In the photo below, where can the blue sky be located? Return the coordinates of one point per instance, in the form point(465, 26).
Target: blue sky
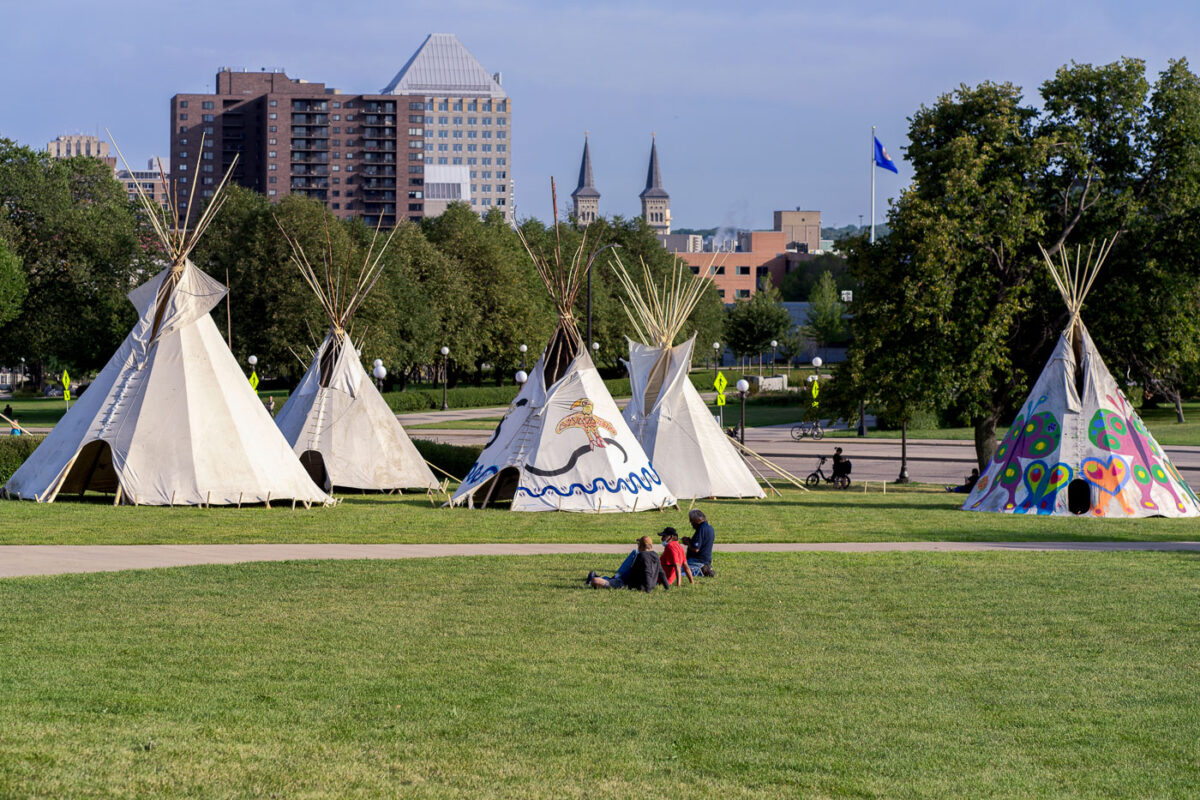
point(757, 106)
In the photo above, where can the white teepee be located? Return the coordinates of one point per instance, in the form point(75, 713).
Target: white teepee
point(1078, 446)
point(668, 416)
point(171, 419)
point(563, 444)
point(336, 421)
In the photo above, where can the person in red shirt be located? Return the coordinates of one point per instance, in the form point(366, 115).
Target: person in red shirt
point(674, 558)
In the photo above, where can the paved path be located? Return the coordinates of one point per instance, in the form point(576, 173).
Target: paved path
point(23, 560)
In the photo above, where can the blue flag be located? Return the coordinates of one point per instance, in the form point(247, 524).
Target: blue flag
point(882, 159)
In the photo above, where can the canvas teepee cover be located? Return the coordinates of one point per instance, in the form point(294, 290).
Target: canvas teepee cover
point(171, 419)
point(668, 416)
point(336, 421)
point(563, 444)
point(1077, 446)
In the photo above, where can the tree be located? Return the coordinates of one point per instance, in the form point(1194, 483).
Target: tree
point(798, 284)
point(12, 284)
point(81, 248)
point(826, 323)
point(750, 325)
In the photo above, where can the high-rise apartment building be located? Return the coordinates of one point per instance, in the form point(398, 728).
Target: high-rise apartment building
point(467, 123)
point(78, 144)
point(364, 155)
point(150, 179)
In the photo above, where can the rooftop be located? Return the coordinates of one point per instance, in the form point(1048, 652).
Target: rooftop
point(443, 64)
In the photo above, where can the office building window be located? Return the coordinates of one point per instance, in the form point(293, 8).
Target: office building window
point(442, 160)
point(743, 271)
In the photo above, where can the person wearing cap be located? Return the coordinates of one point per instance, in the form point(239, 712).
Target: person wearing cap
point(674, 558)
point(645, 572)
point(700, 545)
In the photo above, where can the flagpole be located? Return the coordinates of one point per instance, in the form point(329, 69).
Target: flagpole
point(872, 184)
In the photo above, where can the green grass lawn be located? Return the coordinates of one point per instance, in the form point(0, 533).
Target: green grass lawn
point(481, 424)
point(823, 675)
point(823, 515)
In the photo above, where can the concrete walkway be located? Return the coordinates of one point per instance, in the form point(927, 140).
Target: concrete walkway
point(23, 560)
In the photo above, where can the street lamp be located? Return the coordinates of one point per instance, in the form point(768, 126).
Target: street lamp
point(524, 349)
point(743, 388)
point(445, 375)
point(774, 344)
point(252, 360)
point(595, 347)
point(716, 353)
point(521, 377)
point(380, 372)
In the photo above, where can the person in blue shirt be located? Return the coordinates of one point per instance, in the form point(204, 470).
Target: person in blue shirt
point(700, 545)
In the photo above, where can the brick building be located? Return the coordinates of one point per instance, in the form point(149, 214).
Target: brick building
point(760, 255)
point(363, 155)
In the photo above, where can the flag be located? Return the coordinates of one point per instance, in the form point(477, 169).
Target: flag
point(882, 159)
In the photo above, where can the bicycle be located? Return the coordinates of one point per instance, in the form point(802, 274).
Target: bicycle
point(839, 481)
point(813, 429)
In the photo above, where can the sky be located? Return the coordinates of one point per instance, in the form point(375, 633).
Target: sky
point(757, 106)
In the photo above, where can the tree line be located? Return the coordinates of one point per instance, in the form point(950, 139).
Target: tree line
point(72, 245)
point(956, 311)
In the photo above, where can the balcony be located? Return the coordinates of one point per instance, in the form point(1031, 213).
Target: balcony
point(379, 158)
point(375, 106)
point(317, 194)
point(302, 170)
point(378, 171)
point(376, 119)
point(378, 133)
point(378, 196)
point(310, 105)
point(310, 158)
point(310, 119)
point(379, 183)
point(310, 144)
point(306, 132)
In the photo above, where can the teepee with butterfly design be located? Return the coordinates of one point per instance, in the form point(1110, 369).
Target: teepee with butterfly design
point(1078, 447)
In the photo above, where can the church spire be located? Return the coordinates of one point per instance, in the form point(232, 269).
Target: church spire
point(586, 196)
point(656, 203)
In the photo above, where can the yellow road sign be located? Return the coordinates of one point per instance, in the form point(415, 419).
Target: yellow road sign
point(816, 390)
point(721, 399)
point(720, 383)
point(254, 380)
point(66, 380)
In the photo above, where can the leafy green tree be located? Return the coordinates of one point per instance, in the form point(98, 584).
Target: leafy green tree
point(826, 313)
point(750, 325)
point(12, 284)
point(81, 250)
point(798, 284)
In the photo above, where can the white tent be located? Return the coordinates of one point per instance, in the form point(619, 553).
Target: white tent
point(171, 419)
point(563, 444)
point(336, 421)
point(668, 416)
point(1078, 446)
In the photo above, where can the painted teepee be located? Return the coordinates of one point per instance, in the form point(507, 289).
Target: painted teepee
point(336, 420)
point(563, 444)
point(171, 419)
point(1078, 446)
point(690, 451)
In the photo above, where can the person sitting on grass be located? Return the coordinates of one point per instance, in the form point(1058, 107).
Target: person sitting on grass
point(643, 572)
point(674, 558)
point(700, 545)
point(967, 485)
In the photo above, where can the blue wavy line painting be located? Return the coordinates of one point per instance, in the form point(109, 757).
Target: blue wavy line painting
point(645, 482)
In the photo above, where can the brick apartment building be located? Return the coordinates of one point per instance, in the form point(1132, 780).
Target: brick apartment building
point(373, 156)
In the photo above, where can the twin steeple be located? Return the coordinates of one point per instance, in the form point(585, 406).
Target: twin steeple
point(656, 203)
point(586, 196)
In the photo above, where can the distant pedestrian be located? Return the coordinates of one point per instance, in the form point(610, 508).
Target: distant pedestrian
point(271, 405)
point(8, 412)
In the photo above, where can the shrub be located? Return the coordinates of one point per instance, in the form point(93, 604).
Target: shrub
point(455, 459)
point(921, 420)
point(13, 452)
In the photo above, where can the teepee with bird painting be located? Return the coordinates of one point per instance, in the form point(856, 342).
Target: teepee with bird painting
point(668, 416)
point(1077, 447)
point(171, 419)
point(563, 445)
point(336, 420)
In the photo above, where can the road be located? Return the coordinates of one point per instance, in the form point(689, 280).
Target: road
point(939, 461)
